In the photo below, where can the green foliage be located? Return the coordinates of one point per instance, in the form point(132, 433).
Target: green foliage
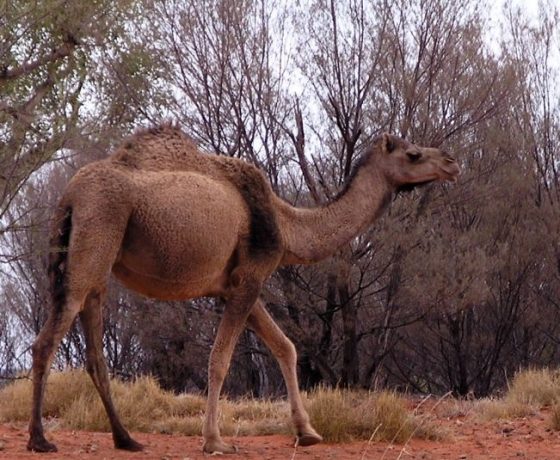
point(54, 54)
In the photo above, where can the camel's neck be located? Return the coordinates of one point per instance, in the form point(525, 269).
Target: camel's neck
point(314, 234)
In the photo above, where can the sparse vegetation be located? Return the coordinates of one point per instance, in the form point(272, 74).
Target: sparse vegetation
point(339, 415)
point(72, 398)
point(502, 409)
point(541, 387)
point(530, 390)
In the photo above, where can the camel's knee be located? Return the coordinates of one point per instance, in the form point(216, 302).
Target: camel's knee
point(95, 364)
point(91, 365)
point(285, 351)
point(36, 348)
point(39, 351)
point(51, 334)
point(291, 352)
point(43, 348)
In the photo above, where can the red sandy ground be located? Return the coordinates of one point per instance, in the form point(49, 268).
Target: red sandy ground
point(467, 438)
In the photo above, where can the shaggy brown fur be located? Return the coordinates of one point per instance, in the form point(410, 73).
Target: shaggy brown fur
point(173, 223)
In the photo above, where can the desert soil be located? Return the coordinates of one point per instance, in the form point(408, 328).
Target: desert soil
point(466, 438)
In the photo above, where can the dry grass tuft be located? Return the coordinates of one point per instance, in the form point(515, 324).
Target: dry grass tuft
point(529, 390)
point(188, 426)
point(259, 417)
point(342, 416)
point(453, 408)
point(338, 415)
point(71, 398)
point(15, 399)
point(503, 409)
point(541, 387)
point(532, 389)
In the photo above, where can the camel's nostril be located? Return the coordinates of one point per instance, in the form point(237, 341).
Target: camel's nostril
point(450, 160)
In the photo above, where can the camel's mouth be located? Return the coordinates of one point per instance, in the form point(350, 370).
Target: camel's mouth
point(438, 171)
point(449, 175)
point(450, 172)
point(410, 187)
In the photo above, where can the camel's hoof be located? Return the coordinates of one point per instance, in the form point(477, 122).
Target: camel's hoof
point(218, 447)
point(128, 444)
point(41, 445)
point(308, 439)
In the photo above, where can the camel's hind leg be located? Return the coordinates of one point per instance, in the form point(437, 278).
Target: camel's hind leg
point(92, 323)
point(284, 351)
point(80, 262)
point(43, 350)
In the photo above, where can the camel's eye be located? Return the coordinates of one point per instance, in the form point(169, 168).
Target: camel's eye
point(413, 156)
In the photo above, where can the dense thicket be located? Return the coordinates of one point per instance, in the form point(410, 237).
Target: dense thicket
point(455, 288)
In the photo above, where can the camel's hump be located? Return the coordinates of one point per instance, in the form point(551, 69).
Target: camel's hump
point(166, 147)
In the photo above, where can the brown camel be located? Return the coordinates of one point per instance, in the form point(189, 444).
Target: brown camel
point(173, 223)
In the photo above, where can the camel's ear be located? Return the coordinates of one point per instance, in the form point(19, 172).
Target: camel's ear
point(388, 144)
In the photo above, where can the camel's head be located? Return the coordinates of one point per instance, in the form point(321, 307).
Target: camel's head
point(408, 165)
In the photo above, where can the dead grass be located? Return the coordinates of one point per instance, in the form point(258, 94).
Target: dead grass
point(529, 391)
point(502, 409)
point(540, 387)
point(338, 415)
point(71, 398)
point(342, 416)
point(455, 408)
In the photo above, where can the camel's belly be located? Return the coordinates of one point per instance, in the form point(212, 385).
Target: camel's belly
point(185, 266)
point(165, 289)
point(181, 244)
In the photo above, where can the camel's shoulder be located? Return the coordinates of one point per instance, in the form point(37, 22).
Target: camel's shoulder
point(254, 187)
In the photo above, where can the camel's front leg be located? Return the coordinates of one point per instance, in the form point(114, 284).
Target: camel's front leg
point(232, 324)
point(285, 353)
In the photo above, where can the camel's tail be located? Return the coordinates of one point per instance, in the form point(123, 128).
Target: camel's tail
point(58, 254)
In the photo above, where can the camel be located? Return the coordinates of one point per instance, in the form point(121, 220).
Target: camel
point(173, 223)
